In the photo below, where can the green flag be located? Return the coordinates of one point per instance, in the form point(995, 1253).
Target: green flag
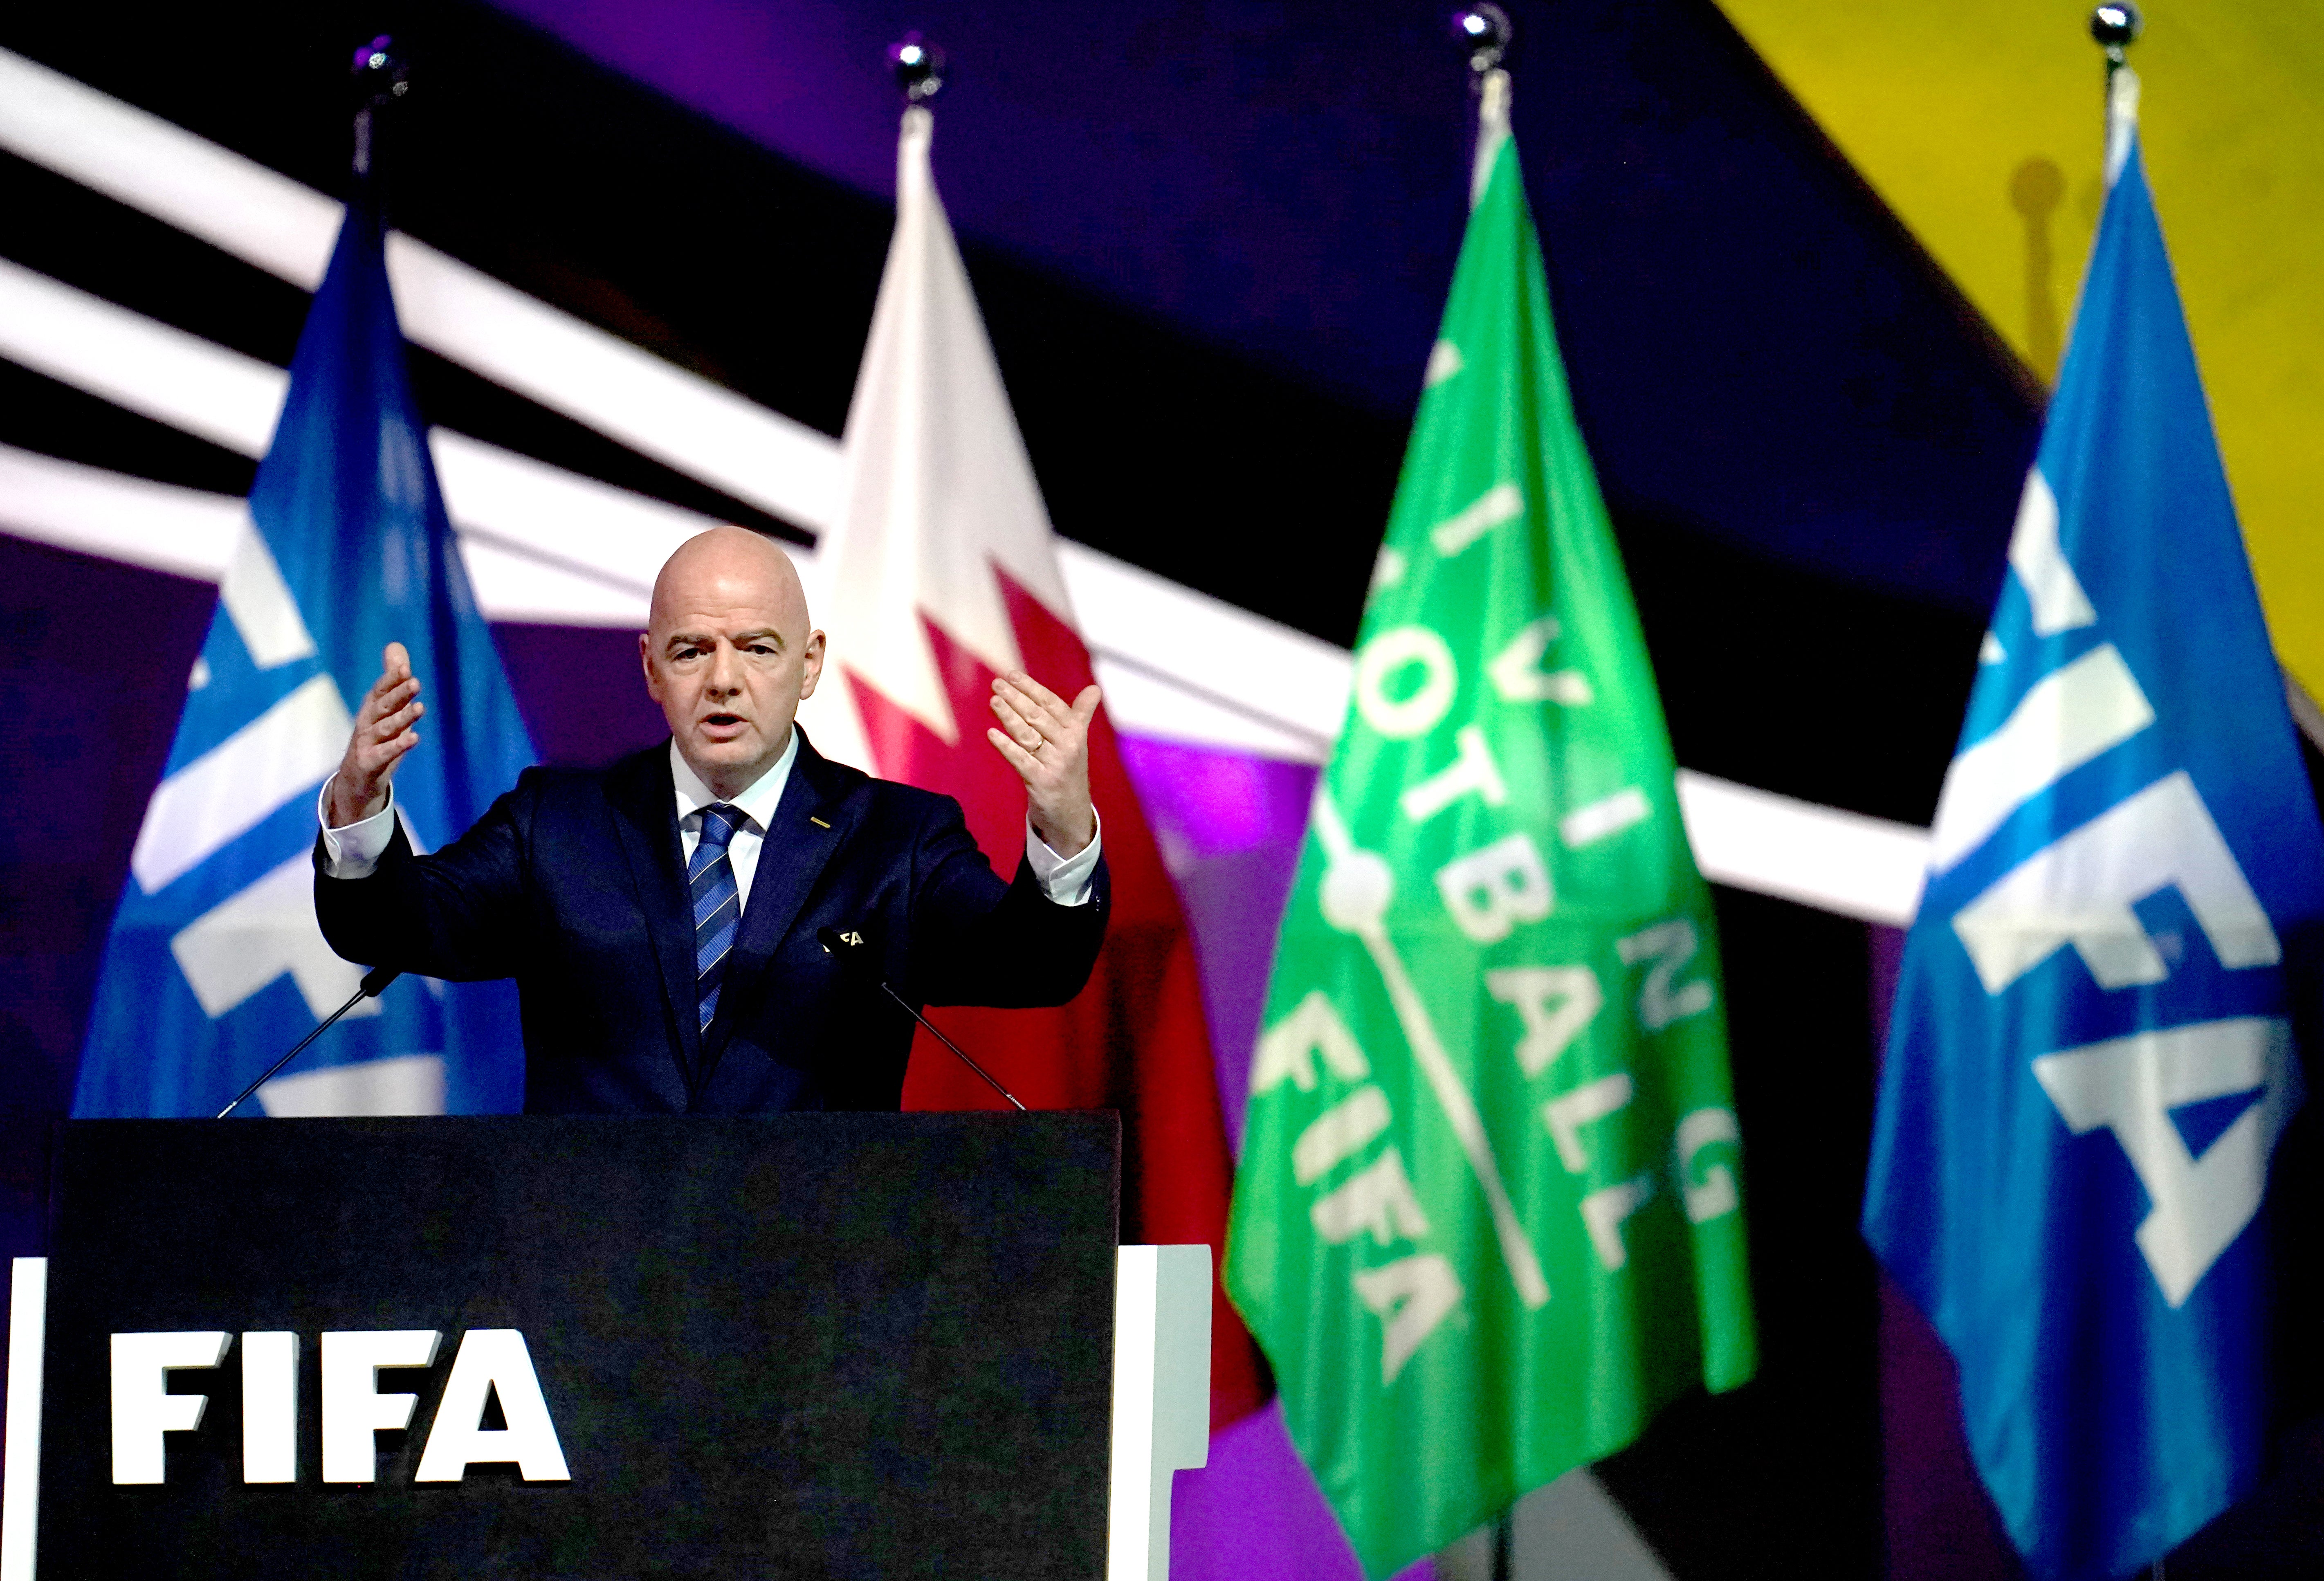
point(1488, 1214)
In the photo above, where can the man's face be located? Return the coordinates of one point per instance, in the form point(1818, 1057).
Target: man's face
point(729, 656)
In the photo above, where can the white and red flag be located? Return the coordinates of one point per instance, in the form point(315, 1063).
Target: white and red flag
point(940, 574)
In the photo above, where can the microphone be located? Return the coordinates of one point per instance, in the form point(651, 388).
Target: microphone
point(854, 954)
point(377, 978)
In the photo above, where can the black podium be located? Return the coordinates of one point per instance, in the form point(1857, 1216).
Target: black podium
point(812, 1345)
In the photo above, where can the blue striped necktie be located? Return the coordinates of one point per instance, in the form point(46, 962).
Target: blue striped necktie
point(718, 902)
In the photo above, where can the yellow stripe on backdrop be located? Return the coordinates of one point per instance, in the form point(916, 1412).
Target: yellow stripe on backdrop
point(1979, 122)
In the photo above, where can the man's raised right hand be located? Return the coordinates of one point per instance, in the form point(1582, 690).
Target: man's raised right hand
point(383, 735)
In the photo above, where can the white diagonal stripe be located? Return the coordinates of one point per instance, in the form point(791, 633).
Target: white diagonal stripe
point(184, 531)
point(287, 229)
point(231, 400)
point(660, 409)
point(232, 203)
point(232, 788)
point(1825, 856)
point(2064, 720)
point(188, 533)
point(133, 361)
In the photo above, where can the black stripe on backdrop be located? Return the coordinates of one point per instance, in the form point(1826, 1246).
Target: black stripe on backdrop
point(77, 235)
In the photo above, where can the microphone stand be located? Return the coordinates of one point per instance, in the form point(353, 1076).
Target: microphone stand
point(853, 955)
point(948, 1043)
point(377, 978)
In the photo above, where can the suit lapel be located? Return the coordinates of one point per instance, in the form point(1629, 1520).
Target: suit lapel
point(812, 821)
point(645, 809)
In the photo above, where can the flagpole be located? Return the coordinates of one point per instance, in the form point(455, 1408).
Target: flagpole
point(382, 77)
point(2116, 26)
point(1484, 30)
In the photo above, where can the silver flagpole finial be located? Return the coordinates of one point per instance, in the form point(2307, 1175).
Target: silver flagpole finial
point(2116, 26)
point(1483, 29)
point(919, 68)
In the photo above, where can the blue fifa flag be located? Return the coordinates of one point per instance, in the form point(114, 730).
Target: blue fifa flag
point(214, 965)
point(2090, 1058)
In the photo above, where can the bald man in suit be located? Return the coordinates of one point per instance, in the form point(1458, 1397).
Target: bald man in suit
point(659, 917)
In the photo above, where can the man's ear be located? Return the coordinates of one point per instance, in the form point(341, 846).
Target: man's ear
point(810, 664)
point(645, 660)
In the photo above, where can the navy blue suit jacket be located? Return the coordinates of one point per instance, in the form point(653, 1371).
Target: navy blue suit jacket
point(574, 884)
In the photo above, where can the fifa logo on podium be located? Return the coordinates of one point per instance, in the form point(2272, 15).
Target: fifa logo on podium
point(490, 1363)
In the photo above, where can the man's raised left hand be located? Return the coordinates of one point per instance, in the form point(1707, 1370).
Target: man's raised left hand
point(1047, 742)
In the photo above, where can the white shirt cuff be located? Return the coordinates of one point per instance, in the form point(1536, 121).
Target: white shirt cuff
point(353, 852)
point(1066, 880)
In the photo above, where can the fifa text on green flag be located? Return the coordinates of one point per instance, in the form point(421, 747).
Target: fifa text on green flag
point(1489, 1217)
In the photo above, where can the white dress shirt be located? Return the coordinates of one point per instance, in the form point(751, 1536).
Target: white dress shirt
point(354, 850)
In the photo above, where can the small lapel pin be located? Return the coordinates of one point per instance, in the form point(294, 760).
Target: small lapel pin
point(816, 821)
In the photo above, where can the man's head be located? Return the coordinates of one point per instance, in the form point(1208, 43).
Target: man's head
point(729, 653)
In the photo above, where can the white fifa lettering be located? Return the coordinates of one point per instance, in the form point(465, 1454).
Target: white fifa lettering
point(270, 1407)
point(354, 1409)
point(2197, 1206)
point(493, 1362)
point(1287, 1048)
point(1413, 1295)
point(1380, 1198)
point(2079, 889)
point(1341, 1132)
point(143, 1408)
point(2051, 589)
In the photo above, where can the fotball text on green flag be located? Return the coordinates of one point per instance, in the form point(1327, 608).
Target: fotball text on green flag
point(1489, 1217)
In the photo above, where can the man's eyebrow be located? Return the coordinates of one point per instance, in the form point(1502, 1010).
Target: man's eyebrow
point(699, 639)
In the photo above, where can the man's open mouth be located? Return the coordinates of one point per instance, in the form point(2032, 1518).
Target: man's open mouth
point(721, 721)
